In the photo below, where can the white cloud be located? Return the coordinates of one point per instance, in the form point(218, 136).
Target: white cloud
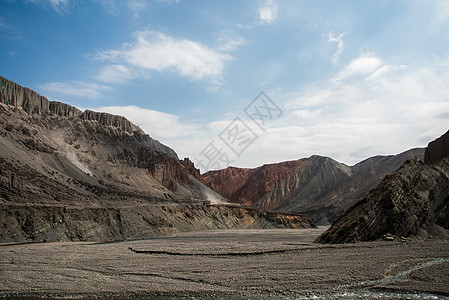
point(387, 110)
point(340, 46)
point(184, 138)
point(157, 51)
point(373, 108)
point(442, 11)
point(115, 74)
point(137, 7)
point(74, 88)
point(228, 41)
point(159, 125)
point(60, 6)
point(168, 1)
point(268, 12)
point(363, 65)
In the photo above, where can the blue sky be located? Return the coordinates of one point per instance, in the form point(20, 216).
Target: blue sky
point(352, 79)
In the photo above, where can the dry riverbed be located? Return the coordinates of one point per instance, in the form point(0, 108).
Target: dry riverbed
point(236, 264)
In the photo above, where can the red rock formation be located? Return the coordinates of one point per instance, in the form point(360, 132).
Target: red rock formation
point(190, 167)
point(227, 181)
point(318, 186)
point(247, 186)
point(168, 171)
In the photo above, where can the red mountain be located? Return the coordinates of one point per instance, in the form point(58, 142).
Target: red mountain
point(318, 186)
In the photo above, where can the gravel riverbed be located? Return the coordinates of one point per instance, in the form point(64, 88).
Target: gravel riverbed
point(227, 264)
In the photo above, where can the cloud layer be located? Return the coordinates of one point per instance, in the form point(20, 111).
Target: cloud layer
point(367, 108)
point(268, 12)
point(156, 51)
point(74, 88)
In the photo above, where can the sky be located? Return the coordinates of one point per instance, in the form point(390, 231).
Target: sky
point(246, 82)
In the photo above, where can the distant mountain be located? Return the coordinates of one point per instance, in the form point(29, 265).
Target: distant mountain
point(72, 175)
point(413, 200)
point(318, 186)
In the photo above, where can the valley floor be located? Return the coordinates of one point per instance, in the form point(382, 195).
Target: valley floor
point(231, 264)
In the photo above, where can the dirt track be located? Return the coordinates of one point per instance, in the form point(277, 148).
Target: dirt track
point(223, 264)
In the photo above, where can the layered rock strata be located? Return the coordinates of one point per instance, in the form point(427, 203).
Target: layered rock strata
point(413, 200)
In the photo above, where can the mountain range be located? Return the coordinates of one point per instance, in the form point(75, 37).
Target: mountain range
point(67, 174)
point(317, 186)
point(72, 175)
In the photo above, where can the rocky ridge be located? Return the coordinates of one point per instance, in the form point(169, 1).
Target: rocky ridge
point(412, 201)
point(318, 186)
point(55, 158)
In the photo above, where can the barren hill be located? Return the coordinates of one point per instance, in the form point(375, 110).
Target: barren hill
point(318, 186)
point(72, 175)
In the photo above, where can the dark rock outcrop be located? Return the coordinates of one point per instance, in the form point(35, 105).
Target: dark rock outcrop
point(318, 186)
point(437, 149)
point(413, 200)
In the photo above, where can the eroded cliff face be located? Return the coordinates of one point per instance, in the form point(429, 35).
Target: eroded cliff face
point(20, 97)
point(318, 186)
point(64, 110)
point(31, 102)
point(106, 119)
